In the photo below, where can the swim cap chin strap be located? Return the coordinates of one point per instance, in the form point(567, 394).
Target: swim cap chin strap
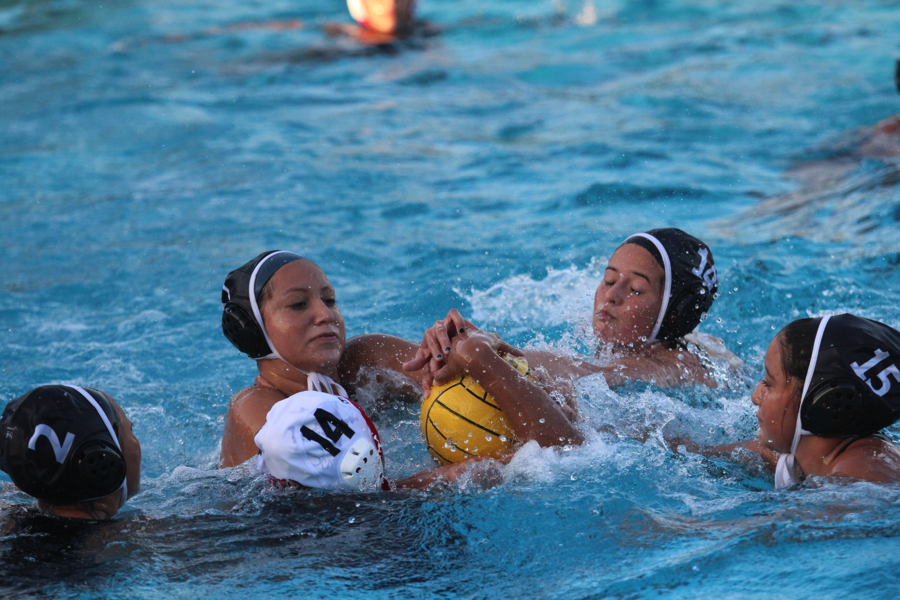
point(315, 381)
point(667, 265)
point(112, 433)
point(786, 468)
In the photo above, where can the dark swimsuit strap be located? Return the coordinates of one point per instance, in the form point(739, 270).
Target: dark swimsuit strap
point(848, 441)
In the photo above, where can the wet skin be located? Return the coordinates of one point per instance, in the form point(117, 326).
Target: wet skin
point(390, 16)
point(776, 399)
point(306, 326)
point(303, 319)
point(627, 301)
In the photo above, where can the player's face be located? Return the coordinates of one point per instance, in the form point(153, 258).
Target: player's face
point(302, 317)
point(390, 16)
point(627, 301)
point(776, 400)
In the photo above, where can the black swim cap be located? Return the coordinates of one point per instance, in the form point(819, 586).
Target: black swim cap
point(852, 384)
point(242, 321)
point(691, 280)
point(60, 444)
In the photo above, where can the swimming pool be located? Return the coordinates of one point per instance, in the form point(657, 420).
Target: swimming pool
point(493, 168)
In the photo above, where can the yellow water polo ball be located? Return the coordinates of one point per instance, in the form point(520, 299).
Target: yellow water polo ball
point(460, 420)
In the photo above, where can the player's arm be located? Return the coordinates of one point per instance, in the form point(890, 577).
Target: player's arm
point(431, 356)
point(560, 367)
point(483, 473)
point(366, 355)
point(724, 450)
point(530, 410)
point(664, 370)
point(245, 417)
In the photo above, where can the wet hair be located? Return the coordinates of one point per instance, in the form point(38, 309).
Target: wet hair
point(264, 295)
point(797, 340)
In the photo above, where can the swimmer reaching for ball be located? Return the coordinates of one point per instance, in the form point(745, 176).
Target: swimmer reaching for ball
point(830, 385)
point(656, 289)
point(280, 310)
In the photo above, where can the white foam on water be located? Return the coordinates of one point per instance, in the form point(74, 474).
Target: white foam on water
point(613, 421)
point(521, 304)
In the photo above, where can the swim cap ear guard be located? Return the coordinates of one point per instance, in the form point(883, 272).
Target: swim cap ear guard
point(241, 317)
point(60, 444)
point(691, 280)
point(853, 383)
point(838, 407)
point(243, 331)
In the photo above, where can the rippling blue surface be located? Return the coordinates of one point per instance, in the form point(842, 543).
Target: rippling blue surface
point(493, 168)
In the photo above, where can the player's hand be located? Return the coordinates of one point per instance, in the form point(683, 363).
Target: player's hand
point(436, 343)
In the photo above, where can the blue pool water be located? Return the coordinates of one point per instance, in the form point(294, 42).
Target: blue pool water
point(491, 168)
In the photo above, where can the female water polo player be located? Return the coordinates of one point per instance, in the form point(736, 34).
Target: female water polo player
point(656, 289)
point(281, 311)
point(291, 326)
point(830, 385)
point(71, 448)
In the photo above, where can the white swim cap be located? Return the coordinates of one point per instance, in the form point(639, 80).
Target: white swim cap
point(321, 441)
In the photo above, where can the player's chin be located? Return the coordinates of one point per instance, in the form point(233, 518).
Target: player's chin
point(623, 339)
point(607, 333)
point(332, 356)
point(325, 359)
point(766, 440)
